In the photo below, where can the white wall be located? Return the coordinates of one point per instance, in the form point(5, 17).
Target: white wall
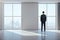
point(58, 16)
point(1, 15)
point(29, 15)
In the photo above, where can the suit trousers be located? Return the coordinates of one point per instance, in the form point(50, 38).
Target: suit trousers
point(43, 25)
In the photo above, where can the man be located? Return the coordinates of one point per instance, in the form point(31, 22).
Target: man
point(43, 21)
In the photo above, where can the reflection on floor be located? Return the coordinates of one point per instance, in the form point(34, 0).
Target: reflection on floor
point(29, 35)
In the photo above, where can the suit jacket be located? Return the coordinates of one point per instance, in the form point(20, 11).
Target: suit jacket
point(43, 18)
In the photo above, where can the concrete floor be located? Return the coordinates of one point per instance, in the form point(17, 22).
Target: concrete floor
point(29, 35)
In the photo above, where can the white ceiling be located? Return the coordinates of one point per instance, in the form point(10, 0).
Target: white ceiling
point(39, 1)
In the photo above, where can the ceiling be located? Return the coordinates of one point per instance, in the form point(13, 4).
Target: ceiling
point(39, 1)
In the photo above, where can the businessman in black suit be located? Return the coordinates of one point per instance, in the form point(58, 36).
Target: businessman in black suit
point(43, 21)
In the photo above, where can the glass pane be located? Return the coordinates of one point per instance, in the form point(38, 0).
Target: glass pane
point(41, 7)
point(17, 22)
point(39, 23)
point(16, 9)
point(51, 10)
point(50, 22)
point(7, 9)
point(7, 23)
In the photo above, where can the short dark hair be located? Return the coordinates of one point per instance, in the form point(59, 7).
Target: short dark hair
point(43, 12)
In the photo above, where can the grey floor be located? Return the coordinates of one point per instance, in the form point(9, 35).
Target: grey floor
point(29, 35)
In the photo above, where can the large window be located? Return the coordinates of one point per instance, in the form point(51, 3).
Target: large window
point(12, 16)
point(51, 15)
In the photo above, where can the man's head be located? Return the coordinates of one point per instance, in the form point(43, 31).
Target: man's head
point(43, 12)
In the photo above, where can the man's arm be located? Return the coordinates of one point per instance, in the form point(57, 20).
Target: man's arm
point(45, 18)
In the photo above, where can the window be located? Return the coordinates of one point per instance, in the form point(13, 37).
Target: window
point(50, 22)
point(7, 22)
point(51, 10)
point(42, 7)
point(51, 15)
point(16, 10)
point(7, 9)
point(16, 22)
point(12, 16)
